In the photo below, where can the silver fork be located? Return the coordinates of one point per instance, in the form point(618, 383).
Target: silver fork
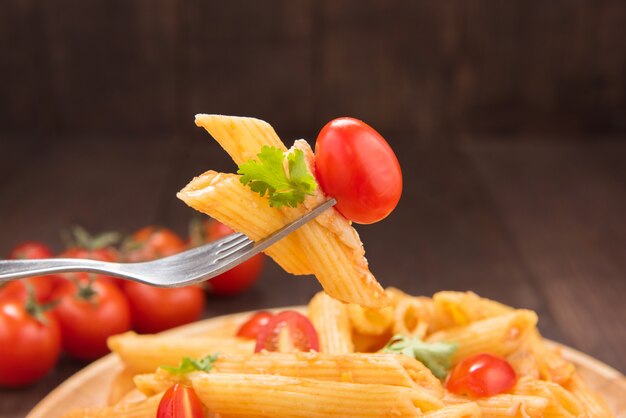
point(189, 267)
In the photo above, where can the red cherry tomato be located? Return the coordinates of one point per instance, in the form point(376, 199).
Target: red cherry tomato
point(481, 375)
point(89, 314)
point(180, 401)
point(239, 278)
point(155, 309)
point(250, 329)
point(286, 331)
point(42, 285)
point(357, 167)
point(101, 254)
point(152, 242)
point(30, 249)
point(29, 347)
point(18, 290)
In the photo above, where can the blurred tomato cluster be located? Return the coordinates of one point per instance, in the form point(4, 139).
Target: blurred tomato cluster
point(77, 312)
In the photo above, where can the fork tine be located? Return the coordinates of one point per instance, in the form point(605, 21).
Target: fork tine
point(231, 243)
point(228, 239)
point(221, 255)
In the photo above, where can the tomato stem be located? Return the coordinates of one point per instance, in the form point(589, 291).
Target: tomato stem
point(34, 308)
point(86, 291)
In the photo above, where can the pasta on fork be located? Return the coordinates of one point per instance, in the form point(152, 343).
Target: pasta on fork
point(328, 246)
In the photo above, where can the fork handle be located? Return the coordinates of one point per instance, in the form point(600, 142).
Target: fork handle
point(19, 269)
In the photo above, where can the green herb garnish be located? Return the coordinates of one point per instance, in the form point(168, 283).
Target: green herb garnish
point(188, 365)
point(268, 176)
point(436, 356)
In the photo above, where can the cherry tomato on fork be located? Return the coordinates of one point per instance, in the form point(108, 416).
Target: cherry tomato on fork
point(180, 401)
point(251, 328)
point(286, 331)
point(481, 375)
point(357, 167)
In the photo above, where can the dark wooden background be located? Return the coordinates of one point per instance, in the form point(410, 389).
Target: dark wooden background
point(433, 70)
point(509, 120)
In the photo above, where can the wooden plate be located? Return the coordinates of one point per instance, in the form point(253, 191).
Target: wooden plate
point(90, 386)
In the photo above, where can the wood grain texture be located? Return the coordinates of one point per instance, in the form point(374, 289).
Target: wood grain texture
point(430, 70)
point(565, 209)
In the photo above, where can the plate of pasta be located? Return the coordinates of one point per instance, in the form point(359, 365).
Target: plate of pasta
point(553, 380)
point(357, 349)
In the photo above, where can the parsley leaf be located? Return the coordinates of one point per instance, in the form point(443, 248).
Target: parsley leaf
point(188, 365)
point(436, 356)
point(267, 176)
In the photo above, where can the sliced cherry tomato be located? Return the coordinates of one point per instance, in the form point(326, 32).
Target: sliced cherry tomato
point(30, 342)
point(287, 331)
point(155, 309)
point(43, 285)
point(356, 166)
point(180, 401)
point(250, 329)
point(481, 375)
point(152, 242)
point(89, 313)
point(241, 277)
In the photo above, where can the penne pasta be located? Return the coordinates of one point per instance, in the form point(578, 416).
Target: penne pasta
point(384, 369)
point(561, 403)
point(414, 316)
point(143, 409)
point(332, 246)
point(145, 353)
point(330, 319)
point(223, 197)
point(505, 406)
point(241, 395)
point(550, 364)
point(465, 410)
point(369, 321)
point(462, 308)
point(593, 405)
point(500, 335)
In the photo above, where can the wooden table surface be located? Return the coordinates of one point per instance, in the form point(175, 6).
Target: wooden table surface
point(534, 224)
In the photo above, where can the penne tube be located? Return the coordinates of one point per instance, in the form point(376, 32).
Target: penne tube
point(500, 335)
point(369, 321)
point(594, 406)
point(241, 395)
point(550, 363)
point(241, 137)
point(504, 406)
point(465, 410)
point(414, 316)
point(224, 198)
point(122, 384)
point(143, 409)
point(145, 353)
point(383, 369)
point(561, 403)
point(330, 319)
point(462, 308)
